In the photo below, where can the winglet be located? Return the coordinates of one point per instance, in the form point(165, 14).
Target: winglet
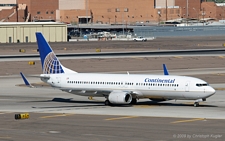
point(25, 80)
point(165, 70)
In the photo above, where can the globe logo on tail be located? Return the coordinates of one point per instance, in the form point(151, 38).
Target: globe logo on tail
point(52, 65)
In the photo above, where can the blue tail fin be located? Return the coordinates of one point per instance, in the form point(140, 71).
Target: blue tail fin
point(50, 63)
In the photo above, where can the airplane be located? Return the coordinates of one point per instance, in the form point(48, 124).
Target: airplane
point(119, 88)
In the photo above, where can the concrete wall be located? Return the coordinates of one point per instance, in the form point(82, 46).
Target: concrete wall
point(194, 7)
point(24, 32)
point(209, 10)
point(71, 4)
point(41, 9)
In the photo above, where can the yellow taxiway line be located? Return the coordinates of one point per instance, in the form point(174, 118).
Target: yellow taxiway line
point(190, 120)
point(221, 57)
point(121, 118)
point(61, 115)
point(220, 89)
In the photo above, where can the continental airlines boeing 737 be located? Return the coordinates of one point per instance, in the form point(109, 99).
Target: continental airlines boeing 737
point(119, 88)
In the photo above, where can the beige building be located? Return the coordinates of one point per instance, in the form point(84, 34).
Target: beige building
point(23, 32)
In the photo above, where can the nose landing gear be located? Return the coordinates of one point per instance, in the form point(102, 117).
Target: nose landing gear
point(196, 104)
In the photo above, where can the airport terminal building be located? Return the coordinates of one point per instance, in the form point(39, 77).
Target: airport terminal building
point(108, 12)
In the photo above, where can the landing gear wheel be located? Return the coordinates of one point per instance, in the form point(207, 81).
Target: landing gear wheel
point(196, 104)
point(107, 103)
point(134, 101)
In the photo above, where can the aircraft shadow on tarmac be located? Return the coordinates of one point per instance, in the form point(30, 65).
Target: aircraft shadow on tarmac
point(153, 103)
point(93, 103)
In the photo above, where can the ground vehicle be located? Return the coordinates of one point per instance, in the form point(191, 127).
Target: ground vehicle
point(140, 38)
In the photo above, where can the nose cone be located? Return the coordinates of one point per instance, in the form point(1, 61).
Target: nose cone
point(210, 91)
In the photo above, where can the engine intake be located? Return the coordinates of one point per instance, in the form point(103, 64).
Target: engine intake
point(120, 98)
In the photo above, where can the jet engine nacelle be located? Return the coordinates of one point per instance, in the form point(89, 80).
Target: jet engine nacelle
point(120, 98)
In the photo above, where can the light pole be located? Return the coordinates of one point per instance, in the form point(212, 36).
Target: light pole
point(187, 10)
point(196, 14)
point(166, 10)
point(203, 14)
point(122, 16)
point(122, 21)
point(86, 11)
point(17, 20)
point(223, 12)
point(159, 17)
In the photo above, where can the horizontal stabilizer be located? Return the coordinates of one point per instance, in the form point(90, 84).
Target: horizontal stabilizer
point(25, 80)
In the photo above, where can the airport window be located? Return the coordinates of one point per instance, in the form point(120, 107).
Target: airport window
point(125, 9)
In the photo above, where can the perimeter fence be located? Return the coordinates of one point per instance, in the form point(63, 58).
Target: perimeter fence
point(170, 31)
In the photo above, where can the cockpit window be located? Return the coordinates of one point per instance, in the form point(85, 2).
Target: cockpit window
point(200, 85)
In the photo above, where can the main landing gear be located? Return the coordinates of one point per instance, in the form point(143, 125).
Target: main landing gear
point(107, 103)
point(134, 101)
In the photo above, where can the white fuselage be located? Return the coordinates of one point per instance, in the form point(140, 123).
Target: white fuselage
point(140, 86)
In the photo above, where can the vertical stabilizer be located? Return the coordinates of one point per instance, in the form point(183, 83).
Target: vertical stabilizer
point(50, 63)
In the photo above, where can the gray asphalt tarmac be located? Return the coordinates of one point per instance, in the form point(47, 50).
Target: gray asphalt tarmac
point(56, 116)
point(58, 127)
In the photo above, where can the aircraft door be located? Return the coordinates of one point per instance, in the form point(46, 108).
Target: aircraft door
point(124, 85)
point(187, 85)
